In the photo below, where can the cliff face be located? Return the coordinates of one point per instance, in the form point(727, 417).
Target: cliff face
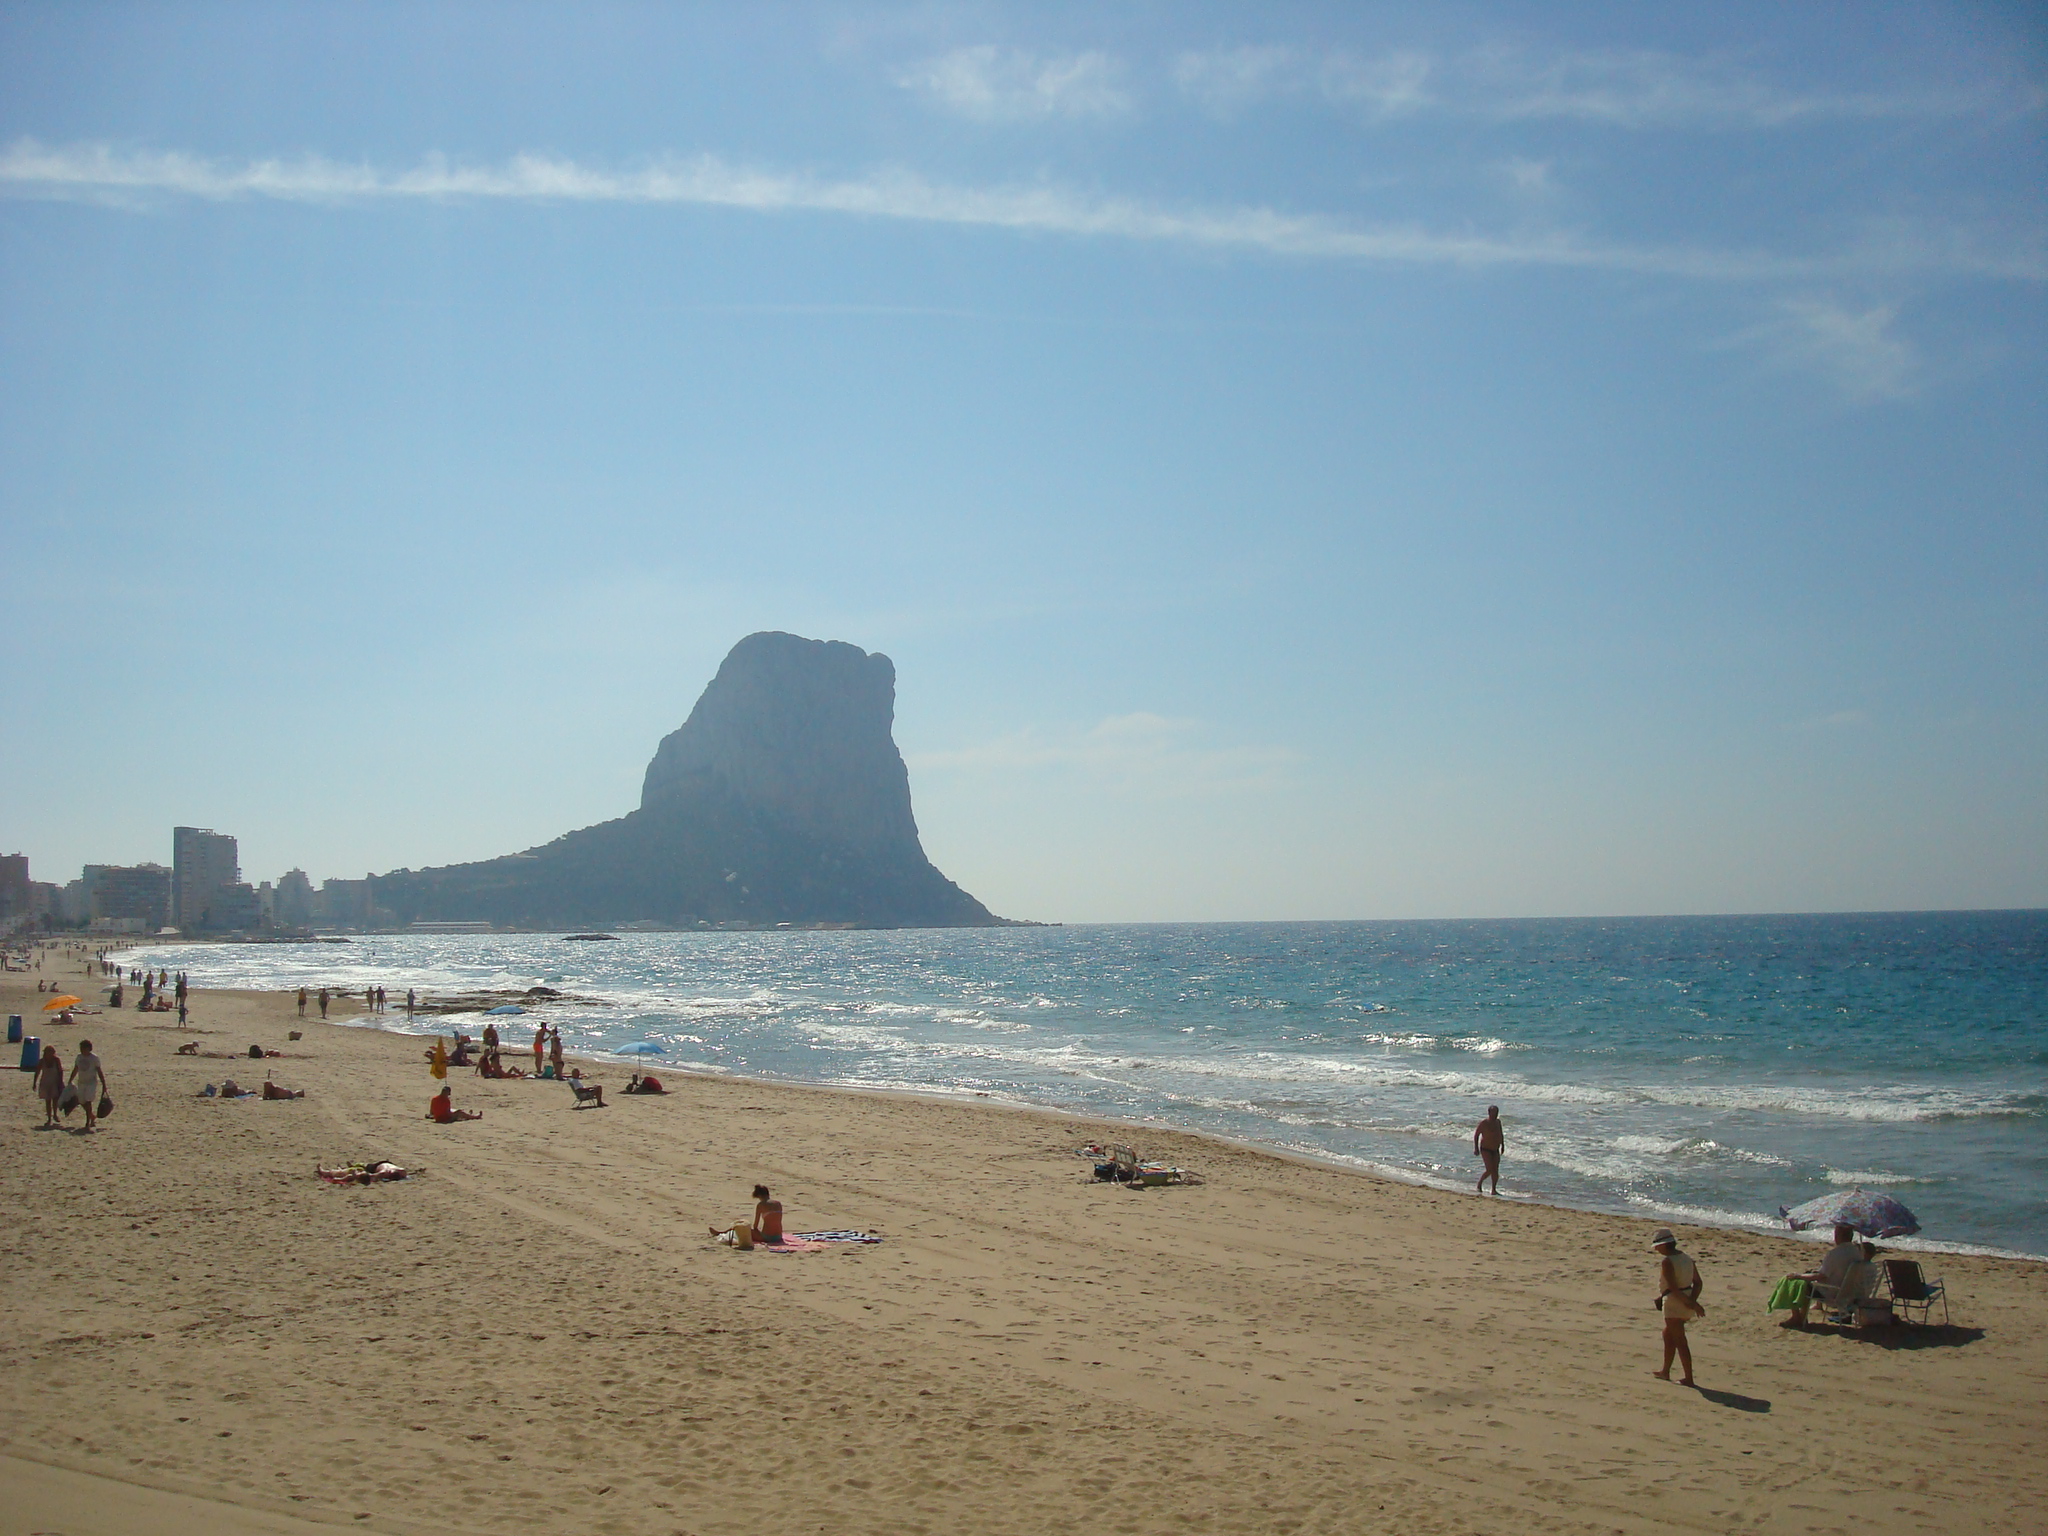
point(799, 731)
point(782, 799)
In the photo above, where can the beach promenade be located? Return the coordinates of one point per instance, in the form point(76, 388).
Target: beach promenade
point(536, 1335)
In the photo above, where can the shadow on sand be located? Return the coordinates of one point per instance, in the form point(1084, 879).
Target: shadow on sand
point(1914, 1336)
point(1735, 1400)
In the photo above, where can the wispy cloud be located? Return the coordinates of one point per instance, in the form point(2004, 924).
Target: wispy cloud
point(1620, 88)
point(1858, 350)
point(1226, 80)
point(98, 171)
point(1141, 748)
point(1001, 85)
point(1389, 85)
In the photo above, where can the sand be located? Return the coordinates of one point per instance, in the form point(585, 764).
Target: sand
point(536, 1334)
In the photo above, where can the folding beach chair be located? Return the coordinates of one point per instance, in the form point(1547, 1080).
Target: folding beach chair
point(1840, 1303)
point(1910, 1288)
point(586, 1096)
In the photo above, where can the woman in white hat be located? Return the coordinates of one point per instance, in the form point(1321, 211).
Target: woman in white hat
point(1678, 1294)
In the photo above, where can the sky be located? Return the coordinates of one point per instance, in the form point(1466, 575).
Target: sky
point(1305, 461)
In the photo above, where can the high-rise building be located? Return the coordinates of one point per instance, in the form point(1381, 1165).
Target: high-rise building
point(205, 866)
point(346, 903)
point(142, 893)
point(17, 894)
point(293, 903)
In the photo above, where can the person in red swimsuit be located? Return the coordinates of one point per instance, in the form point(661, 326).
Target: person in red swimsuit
point(442, 1111)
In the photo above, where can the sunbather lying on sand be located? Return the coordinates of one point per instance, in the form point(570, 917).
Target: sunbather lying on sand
point(364, 1173)
point(272, 1091)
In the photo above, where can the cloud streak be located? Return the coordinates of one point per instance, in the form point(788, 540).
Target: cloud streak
point(1859, 350)
point(1616, 88)
point(994, 85)
point(103, 173)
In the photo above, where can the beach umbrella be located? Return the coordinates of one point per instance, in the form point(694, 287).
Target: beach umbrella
point(641, 1048)
point(66, 1001)
point(1869, 1211)
point(504, 1008)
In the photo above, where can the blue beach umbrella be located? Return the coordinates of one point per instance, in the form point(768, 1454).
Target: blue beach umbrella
point(504, 1008)
point(1869, 1211)
point(641, 1048)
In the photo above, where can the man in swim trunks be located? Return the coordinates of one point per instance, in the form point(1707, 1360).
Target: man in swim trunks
point(1489, 1140)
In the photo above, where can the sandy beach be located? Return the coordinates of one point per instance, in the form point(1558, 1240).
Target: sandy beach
point(536, 1333)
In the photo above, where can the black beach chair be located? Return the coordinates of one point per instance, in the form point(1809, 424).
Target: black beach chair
point(1910, 1288)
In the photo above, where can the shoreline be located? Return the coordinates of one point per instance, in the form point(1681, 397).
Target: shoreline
point(1725, 1144)
point(535, 1334)
point(1337, 1162)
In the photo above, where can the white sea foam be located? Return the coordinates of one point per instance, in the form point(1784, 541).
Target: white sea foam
point(1879, 1180)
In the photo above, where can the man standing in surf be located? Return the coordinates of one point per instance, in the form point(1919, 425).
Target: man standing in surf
point(1488, 1141)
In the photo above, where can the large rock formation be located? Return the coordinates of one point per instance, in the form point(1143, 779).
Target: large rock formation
point(782, 799)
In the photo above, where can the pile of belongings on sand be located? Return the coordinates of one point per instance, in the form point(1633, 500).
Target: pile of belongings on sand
point(1117, 1164)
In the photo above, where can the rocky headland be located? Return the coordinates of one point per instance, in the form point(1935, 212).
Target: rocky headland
point(781, 800)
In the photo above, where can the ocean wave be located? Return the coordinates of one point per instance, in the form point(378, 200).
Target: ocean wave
point(1879, 1180)
point(1483, 1045)
point(1707, 1215)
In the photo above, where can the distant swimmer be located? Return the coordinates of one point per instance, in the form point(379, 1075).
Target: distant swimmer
point(1489, 1140)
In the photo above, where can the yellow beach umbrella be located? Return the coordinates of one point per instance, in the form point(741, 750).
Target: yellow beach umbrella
point(66, 1001)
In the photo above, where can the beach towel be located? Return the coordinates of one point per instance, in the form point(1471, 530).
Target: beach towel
point(837, 1235)
point(1792, 1294)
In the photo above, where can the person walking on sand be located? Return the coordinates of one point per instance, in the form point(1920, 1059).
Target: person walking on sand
point(1489, 1140)
point(50, 1083)
point(302, 1002)
point(412, 998)
point(90, 1079)
point(1678, 1294)
point(323, 1002)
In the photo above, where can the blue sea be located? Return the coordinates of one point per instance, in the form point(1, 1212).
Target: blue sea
point(1709, 1069)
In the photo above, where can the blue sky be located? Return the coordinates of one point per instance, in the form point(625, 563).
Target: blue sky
point(1305, 461)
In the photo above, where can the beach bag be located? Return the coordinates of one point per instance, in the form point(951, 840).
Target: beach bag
point(106, 1106)
point(256, 1052)
point(67, 1101)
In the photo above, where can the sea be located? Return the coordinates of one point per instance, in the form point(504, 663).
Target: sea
point(1704, 1069)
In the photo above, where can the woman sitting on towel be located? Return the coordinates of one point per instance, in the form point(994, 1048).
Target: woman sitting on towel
point(767, 1227)
point(648, 1084)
